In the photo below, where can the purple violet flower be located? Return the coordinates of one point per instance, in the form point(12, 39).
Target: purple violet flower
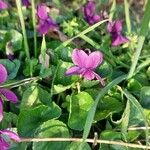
point(46, 23)
point(42, 11)
point(89, 13)
point(115, 28)
point(85, 65)
point(26, 3)
point(3, 5)
point(4, 145)
point(5, 93)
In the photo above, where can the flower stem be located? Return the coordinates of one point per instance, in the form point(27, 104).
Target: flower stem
point(18, 83)
point(127, 16)
point(19, 8)
point(112, 10)
point(34, 26)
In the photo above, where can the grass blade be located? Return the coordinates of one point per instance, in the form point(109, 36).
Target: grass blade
point(112, 10)
point(81, 33)
point(26, 47)
point(135, 102)
point(143, 32)
point(92, 111)
point(34, 26)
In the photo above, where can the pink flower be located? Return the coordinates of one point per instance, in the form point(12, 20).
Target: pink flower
point(85, 65)
point(46, 23)
point(4, 145)
point(3, 5)
point(5, 93)
point(26, 3)
point(115, 28)
point(90, 13)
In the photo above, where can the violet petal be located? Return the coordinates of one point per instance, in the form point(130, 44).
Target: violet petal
point(3, 5)
point(72, 71)
point(94, 59)
point(96, 18)
point(100, 79)
point(88, 74)
point(26, 3)
point(3, 74)
point(1, 109)
point(89, 8)
point(115, 26)
point(42, 11)
point(79, 57)
point(118, 39)
point(46, 25)
point(10, 134)
point(9, 95)
point(3, 144)
point(90, 13)
point(43, 27)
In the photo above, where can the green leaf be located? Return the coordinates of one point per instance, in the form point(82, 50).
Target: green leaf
point(114, 136)
point(8, 118)
point(60, 88)
point(65, 53)
point(88, 83)
point(43, 46)
point(31, 118)
point(125, 121)
point(51, 128)
point(45, 72)
point(135, 102)
point(106, 107)
point(79, 107)
point(12, 67)
point(34, 96)
point(135, 116)
point(30, 66)
point(60, 75)
point(134, 86)
point(133, 135)
point(18, 146)
point(91, 113)
point(105, 69)
point(75, 146)
point(145, 97)
point(15, 38)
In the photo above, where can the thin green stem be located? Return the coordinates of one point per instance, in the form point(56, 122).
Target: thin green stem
point(143, 65)
point(19, 83)
point(136, 56)
point(34, 26)
point(112, 10)
point(127, 16)
point(91, 28)
point(19, 8)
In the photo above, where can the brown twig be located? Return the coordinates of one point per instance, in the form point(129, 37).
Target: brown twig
point(87, 140)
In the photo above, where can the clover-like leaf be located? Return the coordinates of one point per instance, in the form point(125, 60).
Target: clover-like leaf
point(80, 104)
